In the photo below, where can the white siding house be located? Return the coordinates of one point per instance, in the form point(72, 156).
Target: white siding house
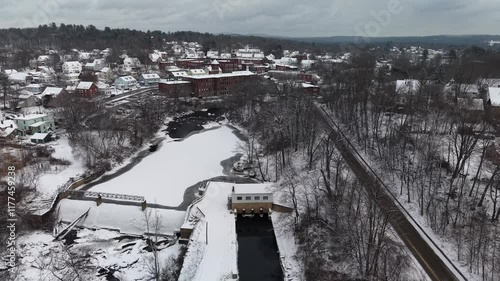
point(72, 67)
point(125, 82)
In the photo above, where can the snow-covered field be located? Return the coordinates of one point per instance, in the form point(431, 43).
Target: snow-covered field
point(58, 176)
point(164, 176)
point(127, 219)
point(219, 256)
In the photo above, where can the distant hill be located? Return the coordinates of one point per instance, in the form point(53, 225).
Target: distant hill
point(450, 40)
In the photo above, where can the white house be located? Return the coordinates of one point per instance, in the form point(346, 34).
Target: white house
point(34, 89)
point(149, 79)
point(96, 65)
point(72, 67)
point(106, 74)
point(125, 82)
point(34, 123)
point(103, 88)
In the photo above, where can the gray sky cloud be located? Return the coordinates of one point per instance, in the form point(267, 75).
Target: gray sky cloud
point(275, 17)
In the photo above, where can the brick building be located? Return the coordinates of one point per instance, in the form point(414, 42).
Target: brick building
point(175, 88)
point(86, 89)
point(217, 84)
point(205, 85)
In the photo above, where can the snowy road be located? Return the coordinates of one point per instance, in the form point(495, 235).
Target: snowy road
point(437, 268)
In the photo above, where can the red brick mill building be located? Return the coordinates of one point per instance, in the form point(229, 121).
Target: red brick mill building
point(205, 85)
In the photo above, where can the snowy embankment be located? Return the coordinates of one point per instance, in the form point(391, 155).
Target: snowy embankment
point(441, 245)
point(216, 258)
point(293, 269)
point(125, 219)
point(128, 257)
point(59, 175)
point(164, 176)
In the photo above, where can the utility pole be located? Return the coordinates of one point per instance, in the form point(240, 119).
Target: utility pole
point(207, 233)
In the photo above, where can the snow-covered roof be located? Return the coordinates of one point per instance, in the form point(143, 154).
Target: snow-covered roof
point(18, 76)
point(407, 86)
point(197, 71)
point(84, 85)
point(127, 78)
point(38, 124)
point(72, 64)
point(174, 82)
point(214, 62)
point(307, 85)
point(179, 73)
point(52, 91)
point(31, 116)
point(105, 69)
point(258, 188)
point(39, 136)
point(222, 75)
point(494, 93)
point(150, 76)
point(33, 86)
point(7, 127)
point(10, 71)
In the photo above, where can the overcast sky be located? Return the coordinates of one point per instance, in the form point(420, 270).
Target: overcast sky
point(272, 17)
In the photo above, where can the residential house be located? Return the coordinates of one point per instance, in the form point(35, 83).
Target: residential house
point(34, 89)
point(41, 138)
point(125, 82)
point(407, 90)
point(470, 91)
point(494, 103)
point(471, 109)
point(96, 65)
point(86, 90)
point(310, 88)
point(52, 91)
point(20, 78)
point(103, 88)
point(150, 79)
point(70, 67)
point(7, 130)
point(130, 65)
point(105, 75)
point(34, 123)
point(50, 94)
point(212, 54)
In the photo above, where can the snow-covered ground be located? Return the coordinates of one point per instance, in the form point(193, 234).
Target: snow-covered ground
point(292, 265)
point(58, 176)
point(164, 176)
point(219, 256)
point(125, 219)
point(128, 256)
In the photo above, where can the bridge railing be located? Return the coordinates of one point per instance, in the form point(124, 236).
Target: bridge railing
point(93, 194)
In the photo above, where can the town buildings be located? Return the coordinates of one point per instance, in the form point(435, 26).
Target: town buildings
point(86, 90)
point(34, 123)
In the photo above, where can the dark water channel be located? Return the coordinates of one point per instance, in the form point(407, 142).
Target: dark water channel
point(258, 258)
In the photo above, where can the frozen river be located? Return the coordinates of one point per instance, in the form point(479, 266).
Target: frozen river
point(164, 176)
